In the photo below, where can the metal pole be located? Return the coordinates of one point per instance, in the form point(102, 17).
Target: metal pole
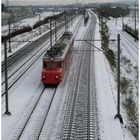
point(99, 23)
point(85, 17)
point(122, 16)
point(55, 31)
point(50, 32)
point(65, 23)
point(9, 22)
point(6, 80)
point(53, 18)
point(71, 20)
point(118, 115)
point(118, 37)
point(116, 21)
point(39, 25)
point(135, 21)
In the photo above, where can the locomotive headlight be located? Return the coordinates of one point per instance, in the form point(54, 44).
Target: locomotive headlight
point(56, 77)
point(44, 76)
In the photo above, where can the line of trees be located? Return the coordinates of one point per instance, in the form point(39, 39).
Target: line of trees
point(28, 28)
point(107, 11)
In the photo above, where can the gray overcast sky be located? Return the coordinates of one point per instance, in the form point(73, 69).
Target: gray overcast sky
point(42, 2)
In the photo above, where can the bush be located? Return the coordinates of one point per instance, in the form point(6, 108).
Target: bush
point(39, 23)
point(125, 60)
point(17, 32)
point(132, 115)
point(105, 44)
point(107, 11)
point(111, 57)
point(28, 29)
point(126, 85)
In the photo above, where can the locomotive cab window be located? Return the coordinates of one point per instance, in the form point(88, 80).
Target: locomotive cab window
point(44, 64)
point(49, 65)
point(53, 65)
point(60, 65)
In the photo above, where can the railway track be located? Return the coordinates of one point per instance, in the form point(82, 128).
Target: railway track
point(35, 118)
point(69, 117)
point(80, 121)
point(133, 52)
point(52, 121)
point(125, 38)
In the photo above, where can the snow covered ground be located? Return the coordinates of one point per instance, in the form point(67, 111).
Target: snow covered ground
point(129, 69)
point(110, 127)
point(127, 21)
point(28, 89)
point(26, 22)
point(128, 44)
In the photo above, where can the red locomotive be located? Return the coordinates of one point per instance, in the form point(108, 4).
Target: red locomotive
point(56, 60)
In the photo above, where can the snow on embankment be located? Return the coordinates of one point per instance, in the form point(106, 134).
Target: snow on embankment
point(110, 128)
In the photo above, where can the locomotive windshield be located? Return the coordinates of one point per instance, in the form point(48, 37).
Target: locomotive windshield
point(52, 65)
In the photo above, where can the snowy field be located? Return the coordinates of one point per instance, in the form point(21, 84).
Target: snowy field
point(25, 94)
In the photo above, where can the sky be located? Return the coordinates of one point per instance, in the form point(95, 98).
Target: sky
point(47, 2)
